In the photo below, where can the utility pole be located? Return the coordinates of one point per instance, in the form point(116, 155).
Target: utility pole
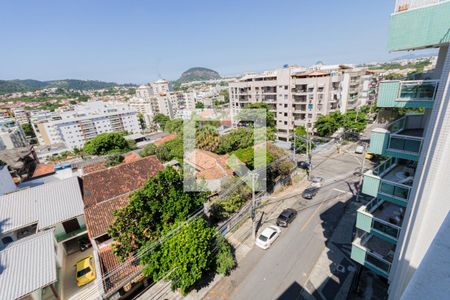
point(362, 172)
point(253, 212)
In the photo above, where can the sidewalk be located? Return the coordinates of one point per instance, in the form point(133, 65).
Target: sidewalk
point(332, 276)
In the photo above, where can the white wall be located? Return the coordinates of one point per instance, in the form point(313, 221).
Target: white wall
point(6, 182)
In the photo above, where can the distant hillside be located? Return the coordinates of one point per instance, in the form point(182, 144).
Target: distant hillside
point(28, 85)
point(197, 74)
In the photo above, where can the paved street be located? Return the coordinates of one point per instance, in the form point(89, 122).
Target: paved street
point(283, 270)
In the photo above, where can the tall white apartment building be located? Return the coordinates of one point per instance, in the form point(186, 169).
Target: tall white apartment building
point(402, 232)
point(298, 96)
point(153, 99)
point(87, 121)
point(12, 137)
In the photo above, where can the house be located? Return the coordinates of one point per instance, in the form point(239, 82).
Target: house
point(28, 268)
point(210, 167)
point(39, 227)
point(104, 192)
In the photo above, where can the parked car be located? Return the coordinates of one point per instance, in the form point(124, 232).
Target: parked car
point(359, 149)
point(303, 165)
point(85, 271)
point(369, 155)
point(310, 192)
point(287, 216)
point(268, 236)
point(316, 181)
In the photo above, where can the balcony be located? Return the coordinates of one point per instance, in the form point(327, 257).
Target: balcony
point(418, 24)
point(391, 181)
point(62, 236)
point(407, 94)
point(373, 253)
point(402, 138)
point(381, 218)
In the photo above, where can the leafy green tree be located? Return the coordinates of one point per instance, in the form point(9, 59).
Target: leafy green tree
point(246, 156)
point(141, 120)
point(160, 203)
point(161, 120)
point(236, 139)
point(224, 208)
point(207, 138)
point(300, 136)
point(328, 124)
point(354, 121)
point(107, 143)
point(114, 160)
point(172, 149)
point(149, 149)
point(174, 126)
point(28, 130)
point(199, 105)
point(226, 95)
point(185, 256)
point(225, 260)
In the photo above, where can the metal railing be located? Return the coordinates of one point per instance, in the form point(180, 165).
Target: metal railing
point(372, 257)
point(385, 166)
point(378, 224)
point(404, 5)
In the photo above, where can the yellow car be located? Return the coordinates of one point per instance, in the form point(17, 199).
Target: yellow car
point(85, 271)
point(369, 155)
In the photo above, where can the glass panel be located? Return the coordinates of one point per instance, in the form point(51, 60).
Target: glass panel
point(381, 264)
point(404, 144)
point(418, 91)
point(389, 230)
point(401, 192)
point(412, 145)
point(386, 188)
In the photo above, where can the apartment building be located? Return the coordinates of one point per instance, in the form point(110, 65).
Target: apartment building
point(11, 138)
point(298, 96)
point(85, 122)
point(21, 115)
point(397, 228)
point(153, 99)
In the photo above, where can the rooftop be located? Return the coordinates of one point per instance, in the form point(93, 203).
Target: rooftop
point(209, 165)
point(118, 180)
point(46, 205)
point(165, 139)
point(27, 265)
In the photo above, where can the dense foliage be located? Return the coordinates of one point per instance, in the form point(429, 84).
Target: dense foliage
point(149, 149)
point(236, 139)
point(207, 138)
point(107, 143)
point(114, 160)
point(161, 120)
point(28, 130)
point(351, 121)
point(199, 105)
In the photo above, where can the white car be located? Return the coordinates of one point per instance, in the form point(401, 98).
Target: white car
point(359, 149)
point(268, 236)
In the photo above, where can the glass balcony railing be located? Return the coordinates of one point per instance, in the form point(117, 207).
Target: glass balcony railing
point(373, 253)
point(390, 181)
point(381, 218)
point(407, 93)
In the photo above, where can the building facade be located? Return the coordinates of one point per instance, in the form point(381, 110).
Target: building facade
point(397, 227)
point(298, 96)
point(85, 122)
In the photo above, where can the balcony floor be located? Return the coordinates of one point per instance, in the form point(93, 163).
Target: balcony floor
point(381, 247)
point(389, 212)
point(399, 174)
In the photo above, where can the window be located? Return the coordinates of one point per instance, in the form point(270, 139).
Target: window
point(285, 105)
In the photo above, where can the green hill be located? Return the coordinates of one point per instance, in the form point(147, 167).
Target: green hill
point(197, 74)
point(28, 85)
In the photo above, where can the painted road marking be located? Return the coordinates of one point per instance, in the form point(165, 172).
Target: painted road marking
point(342, 191)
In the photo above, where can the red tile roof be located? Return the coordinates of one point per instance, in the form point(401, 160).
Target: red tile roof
point(94, 167)
point(208, 164)
point(165, 139)
point(99, 217)
point(118, 180)
point(43, 169)
point(130, 157)
point(116, 272)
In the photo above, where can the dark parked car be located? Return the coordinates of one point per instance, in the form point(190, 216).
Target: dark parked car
point(303, 165)
point(286, 217)
point(310, 192)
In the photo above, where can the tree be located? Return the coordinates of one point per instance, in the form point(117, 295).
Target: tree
point(236, 139)
point(300, 136)
point(186, 255)
point(207, 138)
point(107, 143)
point(28, 130)
point(328, 124)
point(114, 160)
point(161, 120)
point(160, 203)
point(199, 105)
point(224, 208)
point(141, 120)
point(172, 149)
point(354, 121)
point(149, 149)
point(226, 95)
point(174, 126)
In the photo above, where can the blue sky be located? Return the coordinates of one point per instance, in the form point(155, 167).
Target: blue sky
point(140, 41)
